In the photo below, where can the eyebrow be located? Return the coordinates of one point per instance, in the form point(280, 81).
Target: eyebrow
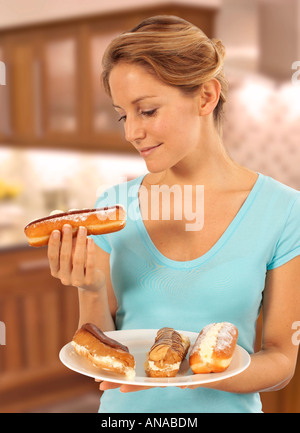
point(137, 100)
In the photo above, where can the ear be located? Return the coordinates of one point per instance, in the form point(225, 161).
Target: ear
point(209, 94)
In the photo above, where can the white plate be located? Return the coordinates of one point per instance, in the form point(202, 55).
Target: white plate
point(139, 342)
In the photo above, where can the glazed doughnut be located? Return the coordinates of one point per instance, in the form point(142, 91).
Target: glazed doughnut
point(214, 348)
point(166, 354)
point(96, 221)
point(103, 352)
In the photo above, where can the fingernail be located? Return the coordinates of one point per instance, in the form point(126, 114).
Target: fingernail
point(56, 235)
point(81, 231)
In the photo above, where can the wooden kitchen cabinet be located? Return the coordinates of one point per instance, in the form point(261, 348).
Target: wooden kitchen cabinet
point(40, 317)
point(23, 52)
point(60, 83)
point(55, 98)
point(55, 86)
point(45, 87)
point(103, 115)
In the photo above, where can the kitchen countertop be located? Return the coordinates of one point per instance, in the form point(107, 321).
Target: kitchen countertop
point(13, 245)
point(12, 237)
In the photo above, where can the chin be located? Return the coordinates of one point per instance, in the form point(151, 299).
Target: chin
point(157, 164)
point(156, 167)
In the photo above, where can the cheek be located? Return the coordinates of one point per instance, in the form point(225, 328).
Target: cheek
point(182, 132)
point(172, 127)
point(161, 127)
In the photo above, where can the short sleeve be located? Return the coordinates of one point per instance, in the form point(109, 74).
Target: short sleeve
point(102, 240)
point(288, 245)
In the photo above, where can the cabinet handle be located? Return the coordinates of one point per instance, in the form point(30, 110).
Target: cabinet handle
point(33, 265)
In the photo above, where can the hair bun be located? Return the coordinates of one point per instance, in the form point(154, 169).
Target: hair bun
point(219, 47)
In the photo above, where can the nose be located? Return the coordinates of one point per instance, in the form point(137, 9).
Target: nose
point(134, 131)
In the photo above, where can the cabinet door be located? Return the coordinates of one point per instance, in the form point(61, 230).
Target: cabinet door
point(104, 116)
point(40, 317)
point(105, 128)
point(24, 91)
point(61, 84)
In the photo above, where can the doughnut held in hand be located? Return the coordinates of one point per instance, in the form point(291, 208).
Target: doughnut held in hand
point(97, 222)
point(214, 348)
point(103, 352)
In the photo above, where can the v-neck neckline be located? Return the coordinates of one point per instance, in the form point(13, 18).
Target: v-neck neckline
point(217, 245)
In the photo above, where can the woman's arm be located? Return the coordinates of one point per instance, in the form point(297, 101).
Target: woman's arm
point(79, 262)
point(99, 306)
point(273, 366)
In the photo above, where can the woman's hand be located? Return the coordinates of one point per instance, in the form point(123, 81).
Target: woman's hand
point(73, 260)
point(104, 386)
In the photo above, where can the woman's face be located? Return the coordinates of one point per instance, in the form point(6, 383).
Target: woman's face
point(160, 121)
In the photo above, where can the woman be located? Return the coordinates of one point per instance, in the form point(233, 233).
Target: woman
point(165, 78)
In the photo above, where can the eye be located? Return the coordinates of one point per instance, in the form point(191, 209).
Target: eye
point(122, 118)
point(149, 113)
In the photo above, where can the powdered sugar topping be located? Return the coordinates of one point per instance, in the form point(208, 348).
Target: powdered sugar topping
point(215, 335)
point(225, 336)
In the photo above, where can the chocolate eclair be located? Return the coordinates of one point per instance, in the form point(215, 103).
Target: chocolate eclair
point(104, 352)
point(168, 351)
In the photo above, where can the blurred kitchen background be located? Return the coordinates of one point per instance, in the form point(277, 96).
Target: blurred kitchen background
point(61, 146)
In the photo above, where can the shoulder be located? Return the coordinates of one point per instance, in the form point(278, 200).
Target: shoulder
point(277, 205)
point(279, 193)
point(282, 204)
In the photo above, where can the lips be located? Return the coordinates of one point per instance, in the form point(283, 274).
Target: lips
point(147, 150)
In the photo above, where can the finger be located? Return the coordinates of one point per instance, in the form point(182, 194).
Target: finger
point(104, 386)
point(79, 257)
point(66, 255)
point(134, 388)
point(53, 252)
point(90, 261)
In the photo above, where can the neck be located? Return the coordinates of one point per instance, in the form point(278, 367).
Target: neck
point(209, 165)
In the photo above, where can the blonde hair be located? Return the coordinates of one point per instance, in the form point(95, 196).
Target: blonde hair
point(176, 51)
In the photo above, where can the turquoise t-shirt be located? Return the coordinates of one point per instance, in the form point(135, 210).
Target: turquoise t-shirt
point(224, 284)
